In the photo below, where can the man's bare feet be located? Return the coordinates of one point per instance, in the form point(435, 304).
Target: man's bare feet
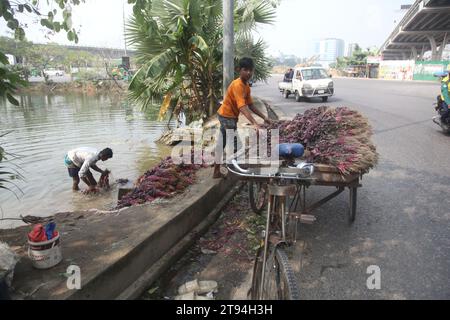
point(217, 174)
point(91, 191)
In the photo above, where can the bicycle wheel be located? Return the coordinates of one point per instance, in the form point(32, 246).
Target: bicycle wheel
point(279, 279)
point(257, 195)
point(291, 227)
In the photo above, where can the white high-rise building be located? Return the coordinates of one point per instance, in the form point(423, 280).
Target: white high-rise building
point(351, 48)
point(329, 50)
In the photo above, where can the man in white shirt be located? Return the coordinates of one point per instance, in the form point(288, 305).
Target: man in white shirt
point(79, 161)
point(181, 120)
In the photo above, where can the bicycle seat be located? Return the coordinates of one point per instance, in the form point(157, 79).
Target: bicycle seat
point(291, 150)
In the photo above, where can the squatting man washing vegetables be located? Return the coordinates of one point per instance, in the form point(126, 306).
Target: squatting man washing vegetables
point(79, 161)
point(237, 100)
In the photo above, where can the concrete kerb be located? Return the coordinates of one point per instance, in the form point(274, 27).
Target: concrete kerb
point(279, 115)
point(271, 113)
point(129, 276)
point(177, 251)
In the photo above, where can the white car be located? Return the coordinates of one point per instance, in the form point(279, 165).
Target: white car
point(54, 72)
point(310, 82)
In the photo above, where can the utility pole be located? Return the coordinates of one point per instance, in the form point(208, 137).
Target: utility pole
point(123, 17)
point(228, 43)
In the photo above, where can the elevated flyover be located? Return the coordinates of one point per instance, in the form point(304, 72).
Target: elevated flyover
point(425, 27)
point(111, 53)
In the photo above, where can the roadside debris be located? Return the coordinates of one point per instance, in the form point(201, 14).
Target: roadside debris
point(206, 251)
point(198, 287)
point(152, 290)
point(197, 290)
point(8, 261)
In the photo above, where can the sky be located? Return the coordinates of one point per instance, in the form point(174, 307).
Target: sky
point(298, 25)
point(100, 24)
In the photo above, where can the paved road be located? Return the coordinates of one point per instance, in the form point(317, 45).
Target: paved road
point(403, 219)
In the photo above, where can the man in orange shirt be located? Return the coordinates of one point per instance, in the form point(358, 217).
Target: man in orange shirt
point(237, 100)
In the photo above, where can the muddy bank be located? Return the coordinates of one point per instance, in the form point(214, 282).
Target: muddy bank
point(88, 87)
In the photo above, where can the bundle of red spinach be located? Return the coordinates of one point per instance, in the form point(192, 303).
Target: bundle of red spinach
point(163, 181)
point(340, 137)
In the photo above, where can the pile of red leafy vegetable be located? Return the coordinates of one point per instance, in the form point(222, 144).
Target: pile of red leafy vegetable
point(340, 137)
point(163, 181)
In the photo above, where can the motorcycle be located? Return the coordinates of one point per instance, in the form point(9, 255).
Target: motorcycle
point(443, 122)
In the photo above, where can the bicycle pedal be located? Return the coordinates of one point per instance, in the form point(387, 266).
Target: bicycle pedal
point(307, 218)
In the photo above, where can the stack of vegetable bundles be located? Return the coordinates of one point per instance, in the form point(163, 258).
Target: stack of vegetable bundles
point(163, 181)
point(340, 137)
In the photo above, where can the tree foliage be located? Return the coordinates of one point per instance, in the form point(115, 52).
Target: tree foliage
point(56, 20)
point(11, 11)
point(179, 48)
point(358, 58)
point(33, 59)
point(9, 80)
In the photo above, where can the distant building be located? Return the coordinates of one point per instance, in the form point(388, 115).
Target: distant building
point(351, 48)
point(11, 59)
point(329, 50)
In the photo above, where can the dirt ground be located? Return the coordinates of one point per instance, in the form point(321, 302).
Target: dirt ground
point(224, 254)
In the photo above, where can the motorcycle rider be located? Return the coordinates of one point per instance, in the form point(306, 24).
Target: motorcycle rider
point(444, 98)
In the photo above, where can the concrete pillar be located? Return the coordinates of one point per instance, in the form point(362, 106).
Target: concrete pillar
point(228, 44)
point(404, 56)
point(442, 47)
point(422, 53)
point(433, 47)
point(414, 53)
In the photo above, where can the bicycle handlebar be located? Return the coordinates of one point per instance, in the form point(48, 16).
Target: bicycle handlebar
point(236, 165)
point(305, 172)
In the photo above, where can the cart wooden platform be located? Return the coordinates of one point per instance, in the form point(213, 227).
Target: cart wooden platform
point(324, 175)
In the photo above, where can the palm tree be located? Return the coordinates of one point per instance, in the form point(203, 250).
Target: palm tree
point(179, 48)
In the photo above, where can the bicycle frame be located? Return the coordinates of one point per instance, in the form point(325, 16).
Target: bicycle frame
point(301, 172)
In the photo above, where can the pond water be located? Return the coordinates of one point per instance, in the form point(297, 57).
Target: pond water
point(45, 127)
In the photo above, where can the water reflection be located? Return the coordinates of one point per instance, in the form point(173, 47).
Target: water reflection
point(45, 127)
